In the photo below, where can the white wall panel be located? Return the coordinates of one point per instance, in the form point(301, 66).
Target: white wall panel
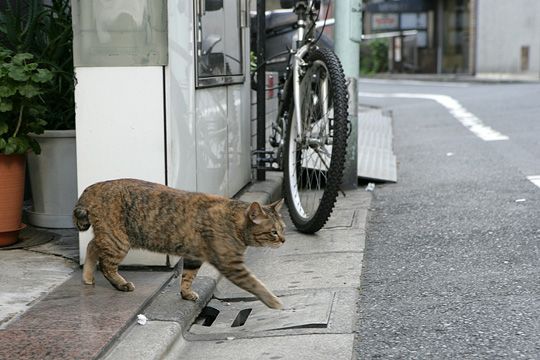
point(120, 132)
point(180, 95)
point(211, 115)
point(239, 152)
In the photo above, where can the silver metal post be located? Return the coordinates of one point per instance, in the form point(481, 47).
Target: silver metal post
point(348, 14)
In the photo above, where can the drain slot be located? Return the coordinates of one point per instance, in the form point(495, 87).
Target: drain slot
point(304, 311)
point(241, 318)
point(207, 316)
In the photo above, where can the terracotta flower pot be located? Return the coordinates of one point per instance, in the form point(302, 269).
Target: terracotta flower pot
point(11, 197)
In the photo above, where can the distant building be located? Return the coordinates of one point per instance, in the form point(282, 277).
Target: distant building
point(484, 37)
point(508, 38)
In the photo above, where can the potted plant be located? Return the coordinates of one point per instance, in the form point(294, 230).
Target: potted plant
point(22, 82)
point(45, 30)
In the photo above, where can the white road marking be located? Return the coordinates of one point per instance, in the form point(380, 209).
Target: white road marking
point(415, 82)
point(535, 179)
point(465, 117)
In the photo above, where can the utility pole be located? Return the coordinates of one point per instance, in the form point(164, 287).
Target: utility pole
point(347, 35)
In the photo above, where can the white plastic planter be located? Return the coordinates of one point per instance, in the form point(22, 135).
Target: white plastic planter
point(53, 178)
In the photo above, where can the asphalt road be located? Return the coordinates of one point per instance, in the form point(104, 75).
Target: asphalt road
point(452, 260)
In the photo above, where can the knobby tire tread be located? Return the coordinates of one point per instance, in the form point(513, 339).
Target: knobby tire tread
point(340, 98)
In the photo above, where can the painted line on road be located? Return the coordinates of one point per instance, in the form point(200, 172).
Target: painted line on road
point(465, 117)
point(415, 82)
point(535, 179)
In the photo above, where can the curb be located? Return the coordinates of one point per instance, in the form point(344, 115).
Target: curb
point(165, 328)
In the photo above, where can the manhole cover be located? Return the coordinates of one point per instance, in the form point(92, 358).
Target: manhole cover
point(230, 316)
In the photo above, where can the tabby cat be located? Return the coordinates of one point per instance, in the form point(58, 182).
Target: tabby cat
point(129, 213)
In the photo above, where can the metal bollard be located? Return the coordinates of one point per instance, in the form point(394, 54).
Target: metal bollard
point(350, 172)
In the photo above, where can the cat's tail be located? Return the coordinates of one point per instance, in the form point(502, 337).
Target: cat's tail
point(80, 217)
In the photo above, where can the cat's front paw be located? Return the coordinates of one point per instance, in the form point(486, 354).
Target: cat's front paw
point(190, 295)
point(89, 280)
point(274, 303)
point(126, 287)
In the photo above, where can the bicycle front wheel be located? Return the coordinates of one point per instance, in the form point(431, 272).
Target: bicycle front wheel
point(314, 155)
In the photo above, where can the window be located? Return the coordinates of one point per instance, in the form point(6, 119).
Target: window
point(219, 42)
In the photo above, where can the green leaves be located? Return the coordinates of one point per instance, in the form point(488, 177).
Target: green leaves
point(42, 76)
point(3, 128)
point(17, 73)
point(20, 59)
point(6, 91)
point(5, 105)
point(18, 145)
point(23, 81)
point(43, 29)
point(29, 90)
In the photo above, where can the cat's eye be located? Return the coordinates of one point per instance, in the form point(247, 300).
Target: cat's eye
point(274, 233)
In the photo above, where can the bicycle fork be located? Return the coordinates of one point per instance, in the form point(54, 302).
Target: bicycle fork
point(298, 65)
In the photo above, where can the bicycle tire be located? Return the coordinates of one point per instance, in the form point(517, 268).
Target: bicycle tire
point(321, 62)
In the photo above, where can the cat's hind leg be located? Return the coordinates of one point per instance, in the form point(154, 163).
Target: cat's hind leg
point(92, 255)
point(189, 272)
point(113, 251)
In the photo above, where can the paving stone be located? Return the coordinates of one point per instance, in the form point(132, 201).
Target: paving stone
point(294, 272)
point(299, 347)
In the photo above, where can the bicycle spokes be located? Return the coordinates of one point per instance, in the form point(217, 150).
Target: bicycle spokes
point(313, 148)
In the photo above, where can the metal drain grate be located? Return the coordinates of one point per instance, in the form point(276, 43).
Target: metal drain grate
point(229, 316)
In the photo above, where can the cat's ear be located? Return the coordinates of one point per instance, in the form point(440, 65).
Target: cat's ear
point(276, 206)
point(255, 213)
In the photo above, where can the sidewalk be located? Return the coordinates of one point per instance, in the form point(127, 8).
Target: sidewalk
point(316, 276)
point(47, 313)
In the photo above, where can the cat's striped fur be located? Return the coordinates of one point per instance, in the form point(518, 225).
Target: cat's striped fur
point(200, 227)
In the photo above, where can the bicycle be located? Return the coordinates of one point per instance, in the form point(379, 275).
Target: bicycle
point(311, 129)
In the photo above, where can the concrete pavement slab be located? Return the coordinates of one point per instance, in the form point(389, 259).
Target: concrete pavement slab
point(27, 276)
point(313, 271)
point(298, 347)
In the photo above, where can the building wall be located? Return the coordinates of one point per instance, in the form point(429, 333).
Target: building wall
point(504, 27)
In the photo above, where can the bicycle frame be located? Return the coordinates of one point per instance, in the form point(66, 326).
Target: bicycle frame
point(305, 13)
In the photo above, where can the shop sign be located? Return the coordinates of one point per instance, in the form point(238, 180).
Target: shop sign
point(384, 22)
